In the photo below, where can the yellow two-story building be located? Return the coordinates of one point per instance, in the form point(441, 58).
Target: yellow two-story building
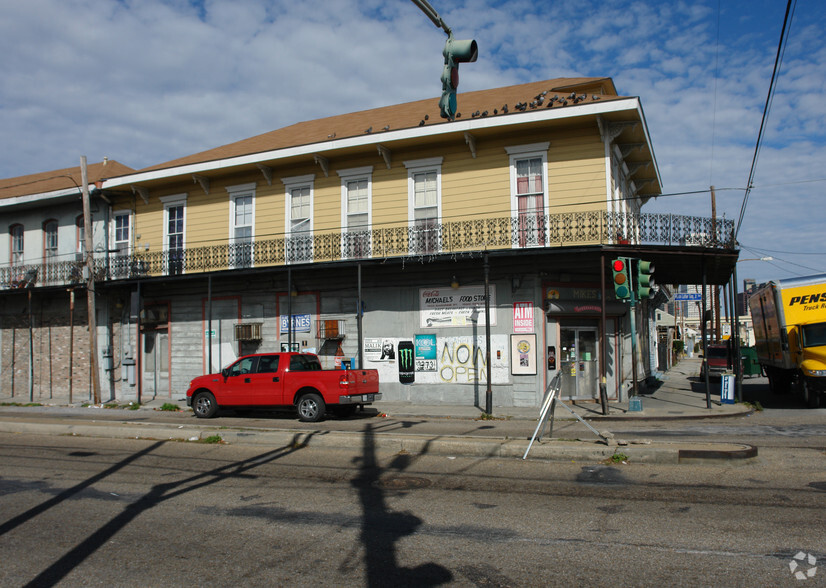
point(462, 259)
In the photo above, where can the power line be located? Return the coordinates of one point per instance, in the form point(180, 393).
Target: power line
point(781, 48)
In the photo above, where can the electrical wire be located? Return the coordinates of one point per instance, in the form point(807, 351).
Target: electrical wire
point(781, 49)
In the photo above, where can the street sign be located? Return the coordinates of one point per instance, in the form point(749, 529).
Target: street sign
point(688, 296)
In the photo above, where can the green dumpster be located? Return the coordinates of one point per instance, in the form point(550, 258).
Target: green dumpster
point(748, 360)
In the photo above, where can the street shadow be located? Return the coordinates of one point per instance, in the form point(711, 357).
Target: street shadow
point(382, 528)
point(286, 414)
point(158, 494)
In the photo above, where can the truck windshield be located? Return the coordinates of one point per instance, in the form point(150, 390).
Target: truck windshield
point(717, 352)
point(814, 335)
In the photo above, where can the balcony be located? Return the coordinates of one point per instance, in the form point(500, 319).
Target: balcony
point(548, 231)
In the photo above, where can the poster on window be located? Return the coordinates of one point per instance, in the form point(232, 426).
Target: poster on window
point(455, 307)
point(523, 355)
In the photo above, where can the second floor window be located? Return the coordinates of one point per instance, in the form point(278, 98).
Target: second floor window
point(174, 210)
point(528, 193)
point(80, 237)
point(424, 185)
point(50, 241)
point(16, 233)
point(299, 191)
point(121, 240)
point(122, 233)
point(241, 224)
point(355, 187)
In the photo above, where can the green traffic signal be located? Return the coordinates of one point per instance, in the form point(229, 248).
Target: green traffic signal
point(645, 280)
point(455, 52)
point(621, 285)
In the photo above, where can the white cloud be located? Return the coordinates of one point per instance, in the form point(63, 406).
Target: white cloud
point(145, 81)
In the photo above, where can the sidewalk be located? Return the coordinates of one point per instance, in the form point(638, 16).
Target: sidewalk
point(680, 394)
point(434, 429)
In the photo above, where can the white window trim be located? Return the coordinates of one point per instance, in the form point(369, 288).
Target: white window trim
point(128, 214)
point(169, 202)
point(11, 244)
point(290, 184)
point(529, 151)
point(234, 192)
point(58, 240)
point(348, 175)
point(416, 166)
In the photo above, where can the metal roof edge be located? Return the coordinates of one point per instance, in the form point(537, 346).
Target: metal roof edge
point(592, 108)
point(44, 196)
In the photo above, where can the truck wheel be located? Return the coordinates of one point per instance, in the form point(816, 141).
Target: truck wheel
point(204, 405)
point(310, 408)
point(811, 395)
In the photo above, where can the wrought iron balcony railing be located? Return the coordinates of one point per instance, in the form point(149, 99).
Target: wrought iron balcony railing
point(524, 231)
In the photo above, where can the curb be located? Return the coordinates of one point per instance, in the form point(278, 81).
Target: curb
point(548, 450)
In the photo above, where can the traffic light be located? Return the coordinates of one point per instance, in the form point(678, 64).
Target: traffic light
point(645, 280)
point(621, 285)
point(455, 52)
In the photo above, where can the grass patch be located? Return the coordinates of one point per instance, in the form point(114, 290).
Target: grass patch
point(618, 458)
point(170, 407)
point(489, 417)
point(754, 405)
point(212, 439)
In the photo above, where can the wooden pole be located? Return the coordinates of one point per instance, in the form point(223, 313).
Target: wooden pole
point(71, 338)
point(90, 281)
point(716, 297)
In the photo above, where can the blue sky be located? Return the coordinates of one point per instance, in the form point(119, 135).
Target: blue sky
point(146, 81)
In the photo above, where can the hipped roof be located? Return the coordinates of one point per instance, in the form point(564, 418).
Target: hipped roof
point(60, 180)
point(497, 102)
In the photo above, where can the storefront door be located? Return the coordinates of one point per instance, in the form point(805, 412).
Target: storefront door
point(579, 363)
point(155, 364)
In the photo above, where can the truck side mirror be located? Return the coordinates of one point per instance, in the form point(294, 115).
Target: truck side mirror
point(225, 372)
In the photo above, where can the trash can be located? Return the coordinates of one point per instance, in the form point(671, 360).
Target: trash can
point(727, 388)
point(748, 361)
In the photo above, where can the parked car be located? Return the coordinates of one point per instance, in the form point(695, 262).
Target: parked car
point(283, 380)
point(717, 359)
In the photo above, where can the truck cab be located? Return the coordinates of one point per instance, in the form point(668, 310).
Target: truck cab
point(717, 360)
point(810, 348)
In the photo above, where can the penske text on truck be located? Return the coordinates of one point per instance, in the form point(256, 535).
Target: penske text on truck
point(790, 331)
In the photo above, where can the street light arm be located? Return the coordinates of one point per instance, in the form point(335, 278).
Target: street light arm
point(425, 6)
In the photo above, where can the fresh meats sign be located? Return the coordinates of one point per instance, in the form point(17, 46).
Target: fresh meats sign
point(455, 307)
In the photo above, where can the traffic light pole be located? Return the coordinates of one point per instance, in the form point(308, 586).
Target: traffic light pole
point(633, 305)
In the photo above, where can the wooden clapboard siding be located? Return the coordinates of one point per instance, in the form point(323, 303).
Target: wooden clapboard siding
point(390, 196)
point(477, 187)
point(269, 210)
point(327, 203)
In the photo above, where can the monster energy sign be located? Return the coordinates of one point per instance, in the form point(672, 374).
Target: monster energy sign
point(407, 371)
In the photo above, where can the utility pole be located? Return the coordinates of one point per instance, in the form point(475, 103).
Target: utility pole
point(90, 281)
point(716, 299)
point(489, 374)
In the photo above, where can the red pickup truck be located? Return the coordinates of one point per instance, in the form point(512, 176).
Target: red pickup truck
point(284, 379)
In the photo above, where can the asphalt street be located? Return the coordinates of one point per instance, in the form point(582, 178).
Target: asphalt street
point(82, 511)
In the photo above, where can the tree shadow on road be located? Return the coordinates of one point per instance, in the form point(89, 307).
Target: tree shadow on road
point(381, 528)
point(158, 494)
